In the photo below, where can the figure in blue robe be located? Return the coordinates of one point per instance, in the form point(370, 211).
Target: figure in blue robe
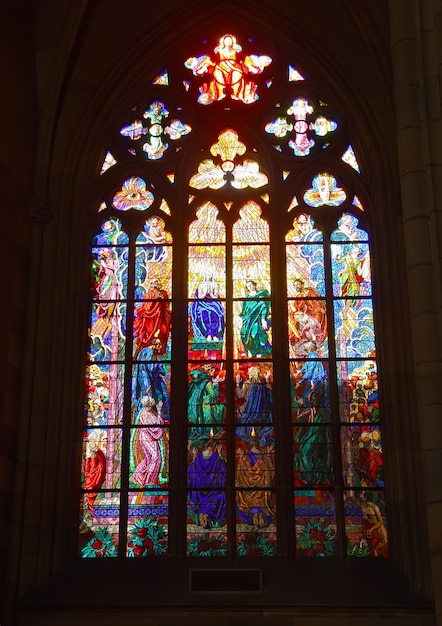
point(206, 480)
point(150, 378)
point(207, 313)
point(255, 415)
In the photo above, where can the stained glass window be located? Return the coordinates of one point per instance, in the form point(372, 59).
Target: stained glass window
point(231, 386)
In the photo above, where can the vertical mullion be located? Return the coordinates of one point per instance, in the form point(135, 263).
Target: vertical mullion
point(179, 392)
point(127, 403)
point(334, 400)
point(281, 394)
point(230, 404)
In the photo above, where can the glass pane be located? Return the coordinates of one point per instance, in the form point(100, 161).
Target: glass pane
point(206, 401)
point(207, 228)
point(227, 72)
point(348, 229)
point(104, 394)
point(313, 456)
point(149, 449)
point(304, 230)
point(307, 328)
point(255, 464)
point(358, 391)
point(107, 331)
point(205, 542)
point(206, 497)
point(324, 190)
point(251, 228)
point(99, 533)
point(251, 270)
point(315, 517)
point(151, 377)
point(111, 234)
point(309, 391)
point(252, 316)
point(109, 274)
point(305, 271)
point(255, 501)
point(207, 285)
point(152, 320)
point(254, 402)
point(365, 524)
point(351, 270)
point(147, 527)
point(133, 195)
point(153, 261)
point(207, 272)
point(362, 458)
point(101, 466)
point(354, 330)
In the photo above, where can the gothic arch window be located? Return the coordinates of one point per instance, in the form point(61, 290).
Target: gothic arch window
point(231, 403)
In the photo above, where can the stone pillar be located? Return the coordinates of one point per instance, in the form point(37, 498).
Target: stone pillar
point(416, 44)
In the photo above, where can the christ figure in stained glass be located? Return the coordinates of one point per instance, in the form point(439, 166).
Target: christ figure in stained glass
point(228, 72)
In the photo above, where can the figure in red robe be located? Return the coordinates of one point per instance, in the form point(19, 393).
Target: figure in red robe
point(94, 467)
point(153, 318)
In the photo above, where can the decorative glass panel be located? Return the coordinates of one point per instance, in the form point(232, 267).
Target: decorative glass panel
point(227, 167)
point(133, 195)
point(297, 124)
point(315, 515)
point(304, 230)
point(324, 192)
point(147, 529)
point(99, 532)
point(206, 310)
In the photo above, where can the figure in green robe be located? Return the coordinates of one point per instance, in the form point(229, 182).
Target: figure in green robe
point(205, 412)
point(255, 314)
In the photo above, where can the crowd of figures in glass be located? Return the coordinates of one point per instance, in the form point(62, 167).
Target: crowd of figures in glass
point(348, 352)
point(322, 347)
point(251, 381)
